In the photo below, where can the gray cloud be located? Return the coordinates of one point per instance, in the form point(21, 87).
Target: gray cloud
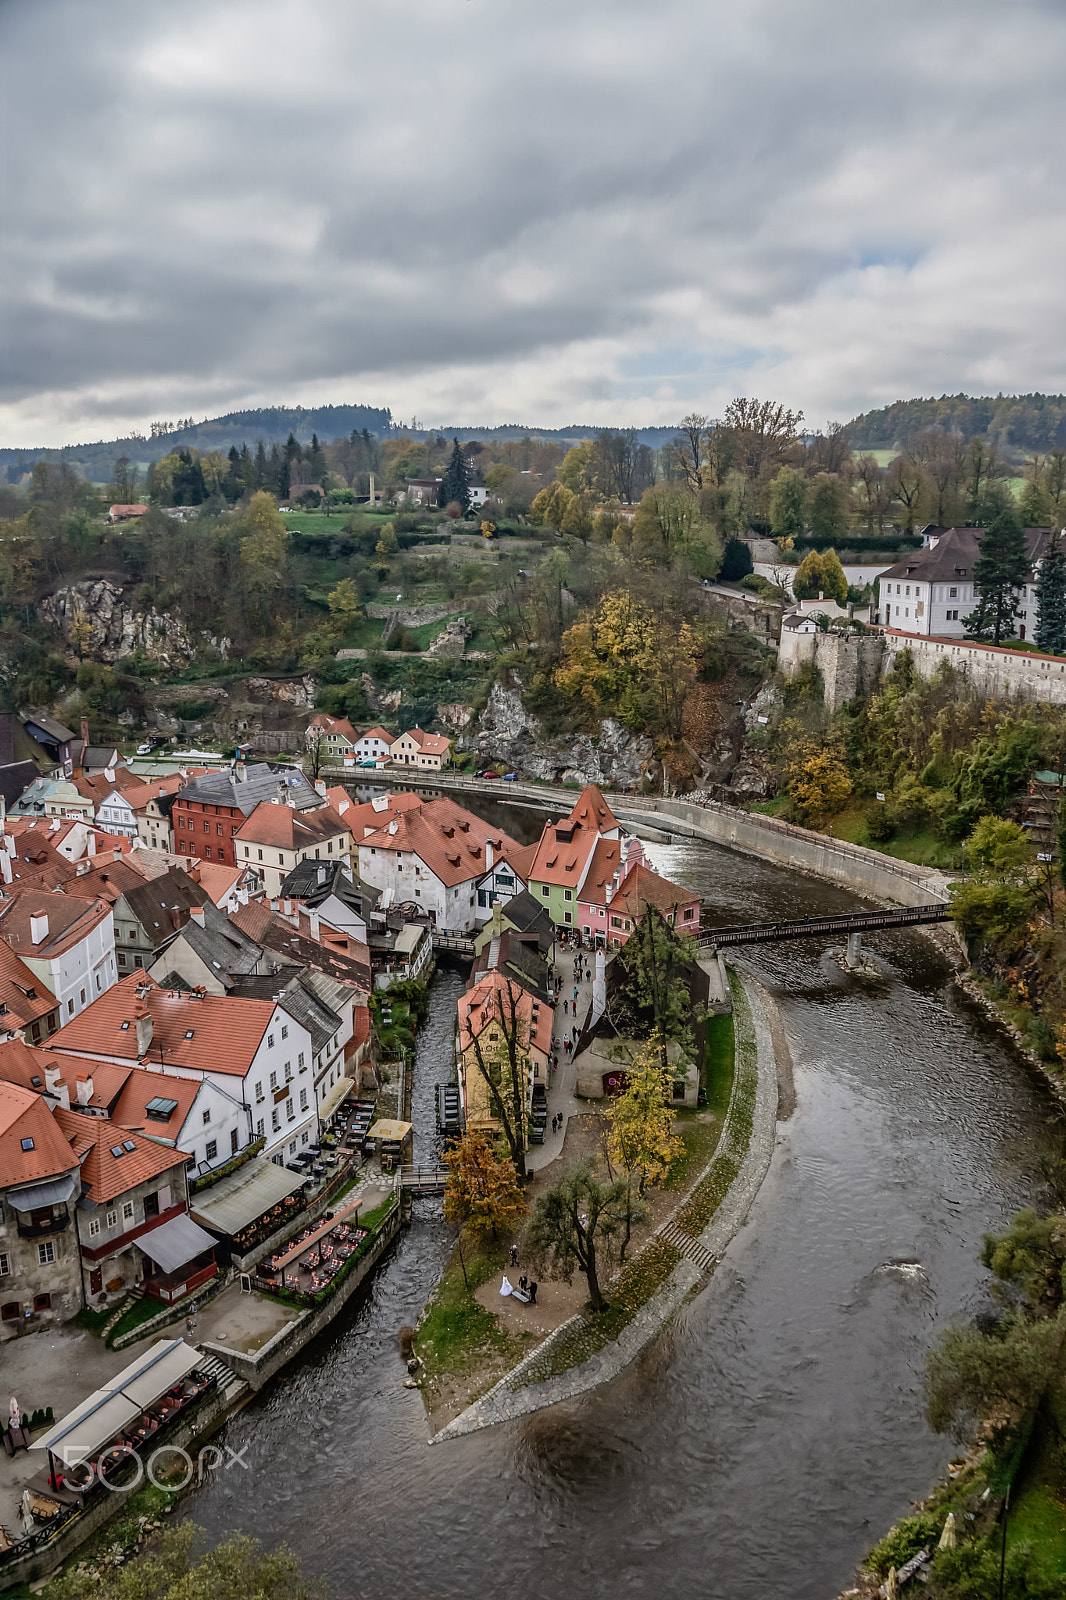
point(480, 211)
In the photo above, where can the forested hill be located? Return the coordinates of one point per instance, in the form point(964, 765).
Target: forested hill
point(1012, 421)
point(272, 424)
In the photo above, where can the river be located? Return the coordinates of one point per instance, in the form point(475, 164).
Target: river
point(775, 1431)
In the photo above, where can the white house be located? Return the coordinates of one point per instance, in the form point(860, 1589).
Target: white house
point(932, 592)
point(66, 942)
point(253, 1050)
point(506, 875)
point(375, 745)
point(433, 856)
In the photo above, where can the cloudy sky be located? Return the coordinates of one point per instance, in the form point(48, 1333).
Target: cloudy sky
point(553, 211)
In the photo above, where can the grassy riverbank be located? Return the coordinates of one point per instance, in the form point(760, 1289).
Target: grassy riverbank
point(464, 1346)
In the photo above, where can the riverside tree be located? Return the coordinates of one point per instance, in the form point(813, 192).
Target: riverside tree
point(1051, 600)
point(573, 1225)
point(1001, 568)
point(640, 1130)
point(237, 1569)
point(482, 1192)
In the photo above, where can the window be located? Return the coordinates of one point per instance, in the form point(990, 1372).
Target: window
point(270, 1041)
point(544, 890)
point(260, 1129)
point(288, 1072)
point(70, 1008)
point(275, 1119)
point(292, 1147)
point(247, 852)
point(568, 894)
point(285, 1030)
point(679, 1088)
point(304, 1137)
point(234, 1142)
point(259, 1094)
point(207, 827)
point(94, 1228)
point(46, 1253)
point(210, 1149)
point(27, 1144)
point(11, 1311)
point(290, 1111)
point(260, 854)
point(127, 1211)
point(303, 1099)
point(5, 1264)
point(207, 1117)
point(112, 1219)
point(218, 826)
point(42, 1302)
point(300, 1062)
point(953, 594)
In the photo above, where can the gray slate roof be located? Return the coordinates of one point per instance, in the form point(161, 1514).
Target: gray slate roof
point(263, 781)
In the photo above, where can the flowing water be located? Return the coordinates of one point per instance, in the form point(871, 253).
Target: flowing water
point(768, 1437)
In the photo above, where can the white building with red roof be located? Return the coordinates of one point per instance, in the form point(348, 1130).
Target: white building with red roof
point(68, 942)
point(253, 1051)
point(276, 838)
point(375, 745)
point(429, 752)
point(433, 855)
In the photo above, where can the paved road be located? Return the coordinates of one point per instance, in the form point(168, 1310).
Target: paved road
point(561, 1095)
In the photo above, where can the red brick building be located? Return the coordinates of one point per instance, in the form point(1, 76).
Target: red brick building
point(209, 810)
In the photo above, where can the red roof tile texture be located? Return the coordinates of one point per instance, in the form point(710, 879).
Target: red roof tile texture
point(26, 1120)
point(496, 998)
point(104, 1174)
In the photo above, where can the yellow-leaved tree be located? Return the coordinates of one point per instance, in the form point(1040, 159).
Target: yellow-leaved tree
point(628, 660)
point(482, 1192)
point(817, 780)
point(640, 1126)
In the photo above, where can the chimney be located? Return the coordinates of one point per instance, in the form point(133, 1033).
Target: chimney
point(240, 771)
point(38, 926)
point(315, 920)
point(109, 774)
point(489, 857)
point(320, 787)
point(242, 895)
point(393, 826)
point(85, 1090)
point(196, 914)
point(85, 731)
point(497, 917)
point(9, 844)
point(55, 1086)
point(342, 808)
point(321, 875)
point(145, 1030)
point(5, 866)
point(90, 844)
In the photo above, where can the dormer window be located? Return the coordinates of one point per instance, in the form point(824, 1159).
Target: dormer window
point(27, 1144)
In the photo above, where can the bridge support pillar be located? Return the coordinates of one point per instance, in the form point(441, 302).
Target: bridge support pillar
point(854, 955)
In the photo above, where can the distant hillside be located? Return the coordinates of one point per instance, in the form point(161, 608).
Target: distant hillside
point(272, 424)
point(1018, 423)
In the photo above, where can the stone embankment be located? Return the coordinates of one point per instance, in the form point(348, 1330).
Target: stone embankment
point(548, 1375)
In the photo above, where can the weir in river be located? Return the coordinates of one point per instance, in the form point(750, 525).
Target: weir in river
point(773, 1433)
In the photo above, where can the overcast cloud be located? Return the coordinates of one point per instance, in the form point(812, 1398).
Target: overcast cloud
point(483, 211)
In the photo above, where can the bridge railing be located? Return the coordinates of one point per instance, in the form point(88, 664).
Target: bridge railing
point(421, 1177)
point(813, 927)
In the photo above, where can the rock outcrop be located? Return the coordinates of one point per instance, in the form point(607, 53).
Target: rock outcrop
point(509, 734)
point(98, 622)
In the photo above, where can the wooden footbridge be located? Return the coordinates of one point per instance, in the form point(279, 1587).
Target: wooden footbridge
point(422, 1180)
point(849, 925)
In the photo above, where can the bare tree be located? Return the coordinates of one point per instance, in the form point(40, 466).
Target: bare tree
point(504, 1065)
point(765, 432)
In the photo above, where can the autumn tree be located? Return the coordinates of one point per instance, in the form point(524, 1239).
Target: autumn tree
point(630, 659)
point(668, 525)
point(482, 1192)
point(344, 603)
point(640, 1128)
point(550, 506)
point(817, 780)
point(387, 544)
point(764, 432)
point(574, 1224)
point(820, 575)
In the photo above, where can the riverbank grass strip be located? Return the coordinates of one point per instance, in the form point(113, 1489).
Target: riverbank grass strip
point(712, 1188)
point(457, 1335)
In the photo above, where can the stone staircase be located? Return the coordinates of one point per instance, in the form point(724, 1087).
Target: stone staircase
point(229, 1384)
point(690, 1248)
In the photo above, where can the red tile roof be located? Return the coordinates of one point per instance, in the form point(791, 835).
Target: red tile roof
point(334, 725)
point(141, 1085)
point(226, 1032)
point(643, 888)
point(379, 733)
point(283, 828)
point(23, 996)
point(447, 839)
point(25, 1116)
point(492, 998)
point(104, 1174)
point(23, 1064)
point(361, 817)
point(606, 861)
point(70, 920)
point(97, 787)
point(564, 849)
point(592, 810)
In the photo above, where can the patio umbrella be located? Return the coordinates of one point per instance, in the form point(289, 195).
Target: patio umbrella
point(949, 1538)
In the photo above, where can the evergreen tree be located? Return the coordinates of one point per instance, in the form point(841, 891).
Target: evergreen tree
point(1051, 600)
point(262, 471)
point(317, 458)
point(455, 485)
point(231, 484)
point(1001, 568)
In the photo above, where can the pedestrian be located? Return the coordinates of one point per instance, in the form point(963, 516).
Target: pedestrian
point(533, 1293)
point(575, 994)
point(566, 1008)
point(514, 1255)
point(566, 1042)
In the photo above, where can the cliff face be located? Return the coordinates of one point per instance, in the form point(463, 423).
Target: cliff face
point(98, 621)
point(507, 733)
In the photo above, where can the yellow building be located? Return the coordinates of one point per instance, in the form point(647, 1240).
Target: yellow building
point(495, 1016)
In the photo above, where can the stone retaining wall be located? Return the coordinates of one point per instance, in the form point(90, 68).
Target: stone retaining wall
point(259, 1366)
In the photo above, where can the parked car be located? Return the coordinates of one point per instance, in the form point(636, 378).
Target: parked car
point(144, 749)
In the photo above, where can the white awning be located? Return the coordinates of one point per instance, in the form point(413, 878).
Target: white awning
point(234, 1202)
point(86, 1429)
point(50, 1193)
point(175, 1243)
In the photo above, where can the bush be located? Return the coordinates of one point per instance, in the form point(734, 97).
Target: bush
point(909, 1536)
